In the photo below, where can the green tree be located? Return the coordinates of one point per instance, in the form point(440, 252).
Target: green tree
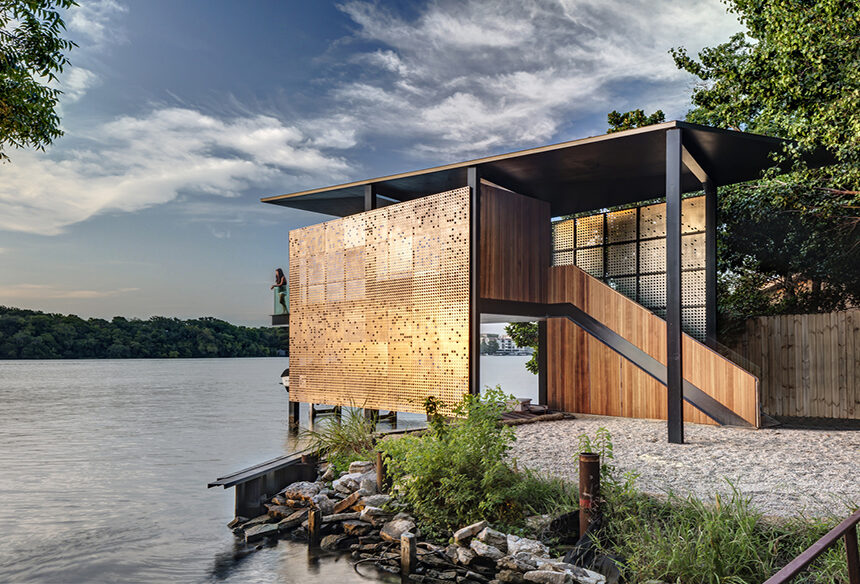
point(525, 334)
point(32, 54)
point(619, 122)
point(790, 241)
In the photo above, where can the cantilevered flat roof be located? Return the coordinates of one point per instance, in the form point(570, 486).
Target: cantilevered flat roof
point(581, 175)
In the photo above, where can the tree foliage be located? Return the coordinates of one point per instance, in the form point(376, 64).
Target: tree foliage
point(28, 334)
point(790, 241)
point(525, 334)
point(32, 54)
point(619, 122)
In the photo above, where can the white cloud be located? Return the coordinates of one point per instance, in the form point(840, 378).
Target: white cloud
point(43, 291)
point(136, 162)
point(465, 77)
point(75, 83)
point(94, 20)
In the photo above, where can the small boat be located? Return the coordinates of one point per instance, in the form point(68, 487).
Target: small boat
point(285, 378)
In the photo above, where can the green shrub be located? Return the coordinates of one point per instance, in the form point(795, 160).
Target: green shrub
point(459, 472)
point(343, 441)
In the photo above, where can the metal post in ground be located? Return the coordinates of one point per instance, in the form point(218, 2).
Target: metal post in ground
point(589, 489)
point(408, 553)
point(314, 524)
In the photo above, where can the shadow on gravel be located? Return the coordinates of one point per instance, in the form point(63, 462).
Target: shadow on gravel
point(817, 424)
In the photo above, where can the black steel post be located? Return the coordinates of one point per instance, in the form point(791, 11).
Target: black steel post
point(589, 489)
point(473, 177)
point(543, 372)
point(674, 363)
point(710, 262)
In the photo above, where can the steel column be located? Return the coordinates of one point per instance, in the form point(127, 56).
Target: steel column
point(369, 197)
point(543, 372)
point(474, 182)
point(674, 363)
point(710, 262)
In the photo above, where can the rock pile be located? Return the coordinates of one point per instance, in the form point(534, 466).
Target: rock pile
point(358, 518)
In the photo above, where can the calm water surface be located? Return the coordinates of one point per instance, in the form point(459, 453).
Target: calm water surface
point(104, 466)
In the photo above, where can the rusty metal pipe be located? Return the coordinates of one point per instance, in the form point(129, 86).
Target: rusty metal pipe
point(589, 489)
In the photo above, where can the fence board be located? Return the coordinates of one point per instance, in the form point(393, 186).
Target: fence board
point(810, 363)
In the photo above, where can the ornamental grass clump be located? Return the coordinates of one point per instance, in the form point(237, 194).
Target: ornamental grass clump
point(343, 440)
point(459, 472)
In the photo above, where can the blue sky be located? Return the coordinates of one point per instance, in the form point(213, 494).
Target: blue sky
point(180, 115)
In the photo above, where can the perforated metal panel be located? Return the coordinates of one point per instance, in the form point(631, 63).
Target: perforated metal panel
point(622, 225)
point(380, 306)
point(638, 269)
point(589, 230)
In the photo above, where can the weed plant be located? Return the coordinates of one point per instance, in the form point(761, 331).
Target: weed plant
point(343, 441)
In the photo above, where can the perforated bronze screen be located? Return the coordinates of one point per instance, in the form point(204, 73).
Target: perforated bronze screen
point(627, 250)
point(379, 306)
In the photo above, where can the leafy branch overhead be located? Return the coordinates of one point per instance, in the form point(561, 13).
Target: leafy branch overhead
point(32, 54)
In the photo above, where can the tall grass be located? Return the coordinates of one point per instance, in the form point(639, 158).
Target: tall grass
point(688, 541)
point(343, 440)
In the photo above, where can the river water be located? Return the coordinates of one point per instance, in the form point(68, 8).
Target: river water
point(104, 466)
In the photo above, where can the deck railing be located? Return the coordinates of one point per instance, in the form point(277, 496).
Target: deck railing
point(281, 298)
point(848, 530)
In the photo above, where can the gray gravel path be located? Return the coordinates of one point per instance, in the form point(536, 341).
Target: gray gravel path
point(784, 471)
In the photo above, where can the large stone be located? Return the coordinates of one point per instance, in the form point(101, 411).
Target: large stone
point(510, 577)
point(589, 577)
point(465, 556)
point(355, 527)
point(333, 541)
point(463, 535)
point(523, 544)
point(293, 520)
point(324, 504)
point(393, 529)
point(497, 539)
point(374, 513)
point(376, 500)
point(279, 512)
point(346, 503)
point(260, 531)
point(548, 577)
point(335, 517)
point(486, 551)
point(369, 484)
point(360, 466)
point(258, 520)
point(522, 562)
point(348, 483)
point(300, 490)
point(328, 475)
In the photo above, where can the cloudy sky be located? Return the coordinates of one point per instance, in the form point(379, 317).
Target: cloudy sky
point(180, 115)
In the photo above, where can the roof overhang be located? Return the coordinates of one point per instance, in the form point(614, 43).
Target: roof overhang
point(581, 175)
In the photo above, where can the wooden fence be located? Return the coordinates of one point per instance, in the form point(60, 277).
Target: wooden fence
point(810, 363)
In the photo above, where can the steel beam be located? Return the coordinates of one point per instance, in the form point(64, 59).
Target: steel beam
point(473, 178)
point(674, 364)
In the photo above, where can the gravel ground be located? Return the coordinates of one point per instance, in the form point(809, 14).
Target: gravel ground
point(784, 471)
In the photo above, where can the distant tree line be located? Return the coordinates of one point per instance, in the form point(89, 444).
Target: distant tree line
point(29, 334)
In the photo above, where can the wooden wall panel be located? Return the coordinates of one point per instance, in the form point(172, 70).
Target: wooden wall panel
point(615, 386)
point(810, 363)
point(514, 246)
